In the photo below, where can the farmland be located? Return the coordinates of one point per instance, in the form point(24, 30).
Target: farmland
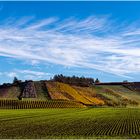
point(49, 109)
point(70, 123)
point(46, 91)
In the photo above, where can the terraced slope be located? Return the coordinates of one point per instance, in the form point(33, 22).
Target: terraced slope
point(135, 86)
point(90, 94)
point(41, 90)
point(119, 93)
point(10, 92)
point(64, 91)
point(98, 95)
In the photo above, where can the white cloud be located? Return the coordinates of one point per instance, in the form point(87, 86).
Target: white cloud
point(35, 73)
point(26, 74)
point(10, 74)
point(95, 43)
point(34, 62)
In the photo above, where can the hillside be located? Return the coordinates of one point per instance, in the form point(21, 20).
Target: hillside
point(96, 95)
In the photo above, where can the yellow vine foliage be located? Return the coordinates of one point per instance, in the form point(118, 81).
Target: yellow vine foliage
point(72, 92)
point(64, 91)
point(84, 95)
point(54, 91)
point(90, 94)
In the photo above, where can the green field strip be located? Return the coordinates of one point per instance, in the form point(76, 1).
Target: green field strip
point(72, 123)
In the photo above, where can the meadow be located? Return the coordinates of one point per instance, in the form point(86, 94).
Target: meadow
point(70, 123)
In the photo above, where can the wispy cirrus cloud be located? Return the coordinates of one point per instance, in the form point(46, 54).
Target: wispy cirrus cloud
point(10, 74)
point(35, 73)
point(95, 43)
point(26, 74)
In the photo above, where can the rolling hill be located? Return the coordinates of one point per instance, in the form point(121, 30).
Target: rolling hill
point(96, 95)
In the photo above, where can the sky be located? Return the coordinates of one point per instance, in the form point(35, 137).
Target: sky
point(91, 39)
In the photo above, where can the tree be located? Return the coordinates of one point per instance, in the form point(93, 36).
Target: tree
point(15, 80)
point(97, 80)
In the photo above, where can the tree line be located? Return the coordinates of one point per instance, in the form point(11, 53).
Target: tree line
point(75, 80)
point(72, 80)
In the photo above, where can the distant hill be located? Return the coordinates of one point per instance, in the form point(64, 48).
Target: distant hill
point(101, 94)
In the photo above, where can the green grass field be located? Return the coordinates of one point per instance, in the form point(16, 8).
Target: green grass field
point(70, 123)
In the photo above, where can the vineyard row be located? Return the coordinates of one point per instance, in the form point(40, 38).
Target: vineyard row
point(16, 104)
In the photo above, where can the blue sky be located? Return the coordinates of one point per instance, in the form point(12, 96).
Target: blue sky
point(91, 39)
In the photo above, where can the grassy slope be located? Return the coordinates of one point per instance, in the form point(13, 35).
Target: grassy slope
point(125, 92)
point(67, 91)
point(70, 123)
point(10, 92)
point(90, 94)
point(41, 91)
point(64, 91)
point(97, 95)
point(120, 91)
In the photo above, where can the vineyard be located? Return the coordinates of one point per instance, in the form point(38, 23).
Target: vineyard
point(96, 95)
point(29, 104)
point(70, 123)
